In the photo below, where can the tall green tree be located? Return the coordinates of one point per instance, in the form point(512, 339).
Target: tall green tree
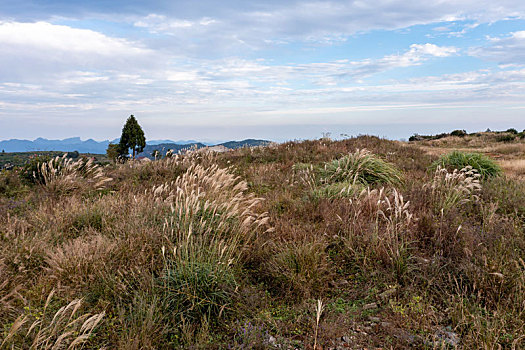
point(113, 151)
point(132, 137)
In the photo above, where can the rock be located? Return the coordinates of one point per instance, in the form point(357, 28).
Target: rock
point(370, 306)
point(387, 294)
point(386, 324)
point(272, 341)
point(374, 319)
point(407, 337)
point(345, 339)
point(448, 337)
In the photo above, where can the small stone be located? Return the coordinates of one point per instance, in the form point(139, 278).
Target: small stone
point(374, 319)
point(272, 341)
point(448, 337)
point(387, 293)
point(370, 306)
point(345, 339)
point(386, 324)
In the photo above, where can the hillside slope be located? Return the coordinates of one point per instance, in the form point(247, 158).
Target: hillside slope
point(350, 244)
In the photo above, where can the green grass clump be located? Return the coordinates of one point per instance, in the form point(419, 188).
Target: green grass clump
point(337, 190)
point(361, 167)
point(198, 290)
point(485, 166)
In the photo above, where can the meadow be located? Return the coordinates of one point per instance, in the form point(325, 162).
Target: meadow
point(362, 243)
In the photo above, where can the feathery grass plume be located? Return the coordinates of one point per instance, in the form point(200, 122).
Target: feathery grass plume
point(212, 220)
point(389, 239)
point(63, 175)
point(306, 174)
point(66, 329)
point(361, 167)
point(485, 166)
point(395, 240)
point(319, 308)
point(453, 189)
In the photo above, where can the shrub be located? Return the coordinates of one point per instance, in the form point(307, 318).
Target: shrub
point(512, 131)
point(484, 165)
point(11, 183)
point(31, 170)
point(460, 133)
point(505, 138)
point(361, 167)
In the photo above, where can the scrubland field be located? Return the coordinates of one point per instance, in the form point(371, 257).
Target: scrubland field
point(362, 244)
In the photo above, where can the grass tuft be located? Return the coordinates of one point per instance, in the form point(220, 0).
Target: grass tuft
point(361, 167)
point(484, 165)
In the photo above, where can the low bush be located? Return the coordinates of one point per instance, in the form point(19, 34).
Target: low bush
point(484, 165)
point(460, 133)
point(506, 137)
point(31, 170)
point(11, 184)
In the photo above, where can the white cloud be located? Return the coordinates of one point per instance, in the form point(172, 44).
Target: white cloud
point(432, 50)
point(47, 36)
point(31, 51)
point(507, 51)
point(160, 23)
point(259, 24)
point(48, 68)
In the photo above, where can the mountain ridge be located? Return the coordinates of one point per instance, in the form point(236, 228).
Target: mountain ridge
point(99, 147)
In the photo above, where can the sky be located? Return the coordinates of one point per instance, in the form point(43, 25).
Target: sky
point(279, 70)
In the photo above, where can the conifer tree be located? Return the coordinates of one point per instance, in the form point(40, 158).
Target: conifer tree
point(132, 137)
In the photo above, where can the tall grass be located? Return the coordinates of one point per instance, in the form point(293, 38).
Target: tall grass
point(212, 220)
point(459, 187)
point(63, 175)
point(361, 167)
point(65, 329)
point(484, 165)
point(178, 252)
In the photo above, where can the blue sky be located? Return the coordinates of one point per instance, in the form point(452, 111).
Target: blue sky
point(279, 70)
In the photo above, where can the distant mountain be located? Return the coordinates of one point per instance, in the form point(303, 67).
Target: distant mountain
point(245, 143)
point(164, 147)
point(66, 145)
point(99, 147)
point(179, 142)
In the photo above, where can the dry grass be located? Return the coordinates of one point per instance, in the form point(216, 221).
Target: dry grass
point(63, 175)
point(65, 329)
point(514, 168)
point(225, 250)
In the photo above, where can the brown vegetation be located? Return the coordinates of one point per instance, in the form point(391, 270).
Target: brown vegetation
point(266, 247)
